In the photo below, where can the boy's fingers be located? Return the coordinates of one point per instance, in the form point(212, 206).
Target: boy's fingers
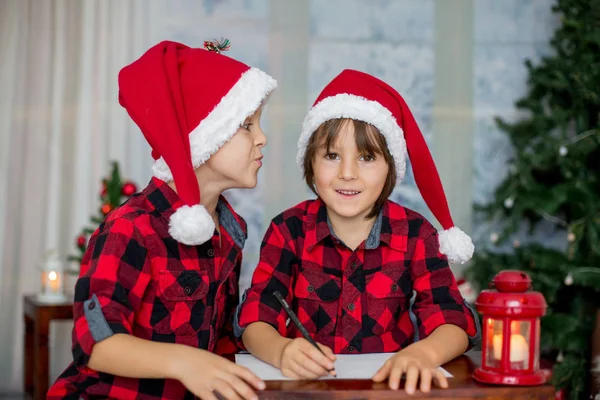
point(207, 395)
point(224, 391)
point(242, 388)
point(395, 376)
point(441, 380)
point(383, 372)
point(302, 372)
point(425, 379)
point(249, 377)
point(328, 352)
point(313, 365)
point(412, 376)
point(317, 356)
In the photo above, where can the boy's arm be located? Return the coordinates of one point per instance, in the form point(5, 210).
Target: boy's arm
point(115, 275)
point(445, 343)
point(131, 357)
point(265, 343)
point(438, 303)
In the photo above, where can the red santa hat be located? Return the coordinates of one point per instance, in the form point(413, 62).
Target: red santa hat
point(360, 96)
point(188, 102)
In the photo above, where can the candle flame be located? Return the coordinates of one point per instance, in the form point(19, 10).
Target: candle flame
point(52, 276)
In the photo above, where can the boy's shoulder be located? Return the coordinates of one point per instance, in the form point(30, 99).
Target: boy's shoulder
point(296, 215)
point(135, 212)
point(418, 225)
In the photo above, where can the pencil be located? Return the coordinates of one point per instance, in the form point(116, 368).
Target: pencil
point(298, 324)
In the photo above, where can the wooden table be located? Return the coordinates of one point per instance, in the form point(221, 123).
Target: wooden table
point(37, 318)
point(461, 386)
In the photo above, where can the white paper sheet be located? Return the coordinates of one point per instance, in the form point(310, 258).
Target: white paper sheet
point(347, 366)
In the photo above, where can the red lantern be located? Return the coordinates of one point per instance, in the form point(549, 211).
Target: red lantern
point(511, 332)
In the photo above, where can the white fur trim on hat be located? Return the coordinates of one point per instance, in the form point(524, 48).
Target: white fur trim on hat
point(456, 245)
point(242, 100)
point(191, 225)
point(356, 107)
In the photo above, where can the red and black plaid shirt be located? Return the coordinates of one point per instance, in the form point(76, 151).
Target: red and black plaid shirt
point(136, 279)
point(355, 301)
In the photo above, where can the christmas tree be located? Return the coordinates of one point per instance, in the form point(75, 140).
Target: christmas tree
point(114, 191)
point(554, 180)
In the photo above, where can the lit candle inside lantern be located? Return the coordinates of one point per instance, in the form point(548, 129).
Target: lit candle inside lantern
point(518, 347)
point(53, 283)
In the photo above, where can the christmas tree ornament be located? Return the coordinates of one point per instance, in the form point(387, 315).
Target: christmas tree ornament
point(81, 241)
point(129, 189)
point(571, 237)
point(569, 279)
point(563, 151)
point(494, 237)
point(466, 290)
point(560, 357)
point(509, 202)
point(106, 208)
point(511, 331)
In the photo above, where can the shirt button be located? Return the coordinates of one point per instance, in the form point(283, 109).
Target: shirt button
point(91, 305)
point(351, 306)
point(310, 289)
point(187, 290)
point(353, 265)
point(210, 252)
point(351, 348)
point(394, 287)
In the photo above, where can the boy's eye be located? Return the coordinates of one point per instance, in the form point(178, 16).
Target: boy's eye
point(331, 156)
point(246, 126)
point(368, 158)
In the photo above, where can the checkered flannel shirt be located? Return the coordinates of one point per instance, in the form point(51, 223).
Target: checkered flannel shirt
point(136, 279)
point(395, 288)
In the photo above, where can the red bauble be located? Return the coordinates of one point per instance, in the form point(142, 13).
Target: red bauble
point(81, 241)
point(128, 189)
point(106, 209)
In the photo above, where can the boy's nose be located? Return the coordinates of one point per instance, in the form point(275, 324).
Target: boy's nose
point(347, 171)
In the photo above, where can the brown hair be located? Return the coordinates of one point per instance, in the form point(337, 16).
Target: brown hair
point(368, 141)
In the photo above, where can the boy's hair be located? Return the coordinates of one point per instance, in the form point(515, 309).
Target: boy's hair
point(368, 141)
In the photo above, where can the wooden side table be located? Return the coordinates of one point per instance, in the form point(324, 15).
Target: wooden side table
point(37, 318)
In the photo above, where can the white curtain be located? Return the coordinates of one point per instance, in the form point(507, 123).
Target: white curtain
point(60, 126)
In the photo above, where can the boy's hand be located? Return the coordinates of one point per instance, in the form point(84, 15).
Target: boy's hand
point(204, 373)
point(416, 367)
point(301, 360)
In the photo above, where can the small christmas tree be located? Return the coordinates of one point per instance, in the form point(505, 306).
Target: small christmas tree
point(555, 180)
point(114, 191)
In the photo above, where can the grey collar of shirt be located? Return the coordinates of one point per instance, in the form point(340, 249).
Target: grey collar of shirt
point(230, 224)
point(374, 236)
